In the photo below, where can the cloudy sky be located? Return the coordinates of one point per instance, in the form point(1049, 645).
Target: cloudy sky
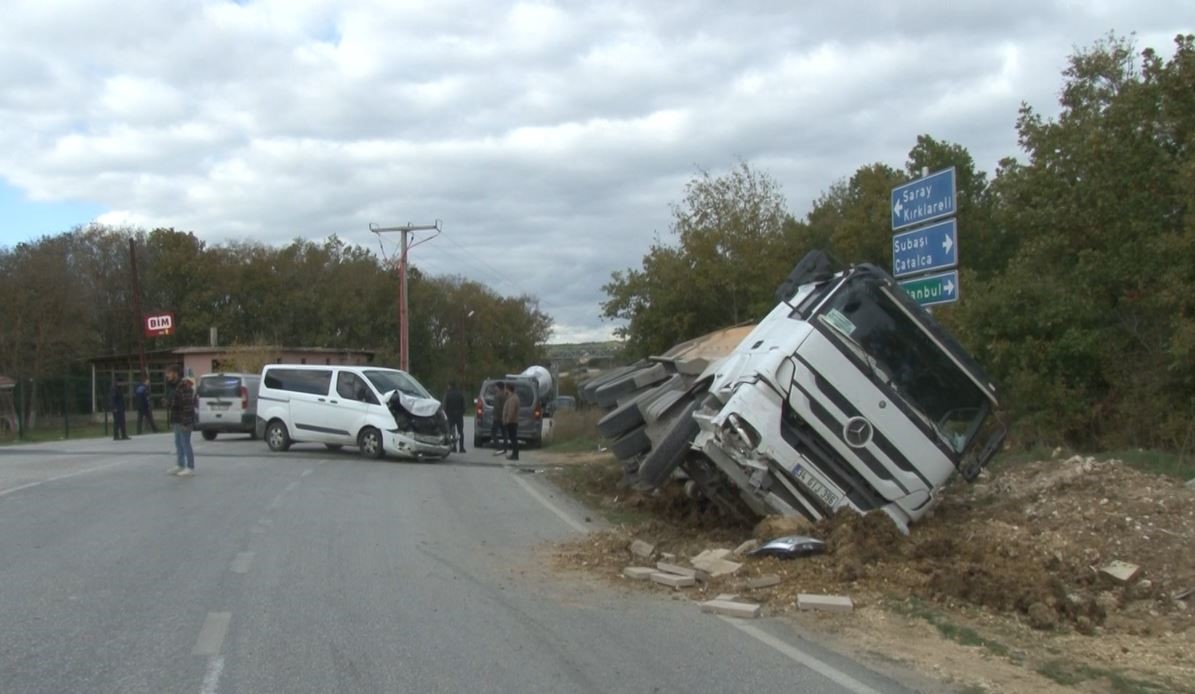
point(549, 137)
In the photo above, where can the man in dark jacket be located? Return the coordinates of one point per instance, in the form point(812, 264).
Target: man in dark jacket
point(454, 407)
point(181, 416)
point(497, 430)
point(119, 431)
point(144, 412)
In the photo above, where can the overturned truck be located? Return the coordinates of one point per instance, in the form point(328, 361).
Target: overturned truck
point(847, 395)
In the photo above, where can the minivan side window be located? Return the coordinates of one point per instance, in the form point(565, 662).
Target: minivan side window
point(299, 380)
point(350, 386)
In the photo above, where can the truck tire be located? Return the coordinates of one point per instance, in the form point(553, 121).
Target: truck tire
point(666, 455)
point(630, 444)
point(621, 420)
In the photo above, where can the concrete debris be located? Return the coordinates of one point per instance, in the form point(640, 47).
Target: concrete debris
point(745, 547)
point(825, 603)
point(678, 570)
point(1183, 594)
point(731, 608)
point(673, 580)
point(726, 596)
point(1191, 483)
point(713, 562)
point(642, 549)
point(765, 581)
point(638, 573)
point(667, 556)
point(1120, 571)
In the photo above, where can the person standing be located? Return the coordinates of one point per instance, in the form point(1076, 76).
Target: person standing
point(510, 417)
point(181, 417)
point(497, 428)
point(119, 431)
point(141, 399)
point(454, 407)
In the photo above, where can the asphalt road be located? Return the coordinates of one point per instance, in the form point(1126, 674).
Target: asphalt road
point(315, 571)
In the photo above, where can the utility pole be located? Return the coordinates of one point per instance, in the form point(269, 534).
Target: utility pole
point(405, 246)
point(140, 317)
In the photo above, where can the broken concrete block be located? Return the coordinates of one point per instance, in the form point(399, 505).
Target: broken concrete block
point(731, 608)
point(1121, 572)
point(638, 573)
point(667, 556)
point(711, 554)
point(673, 580)
point(745, 547)
point(642, 549)
point(765, 581)
point(677, 569)
point(726, 596)
point(1191, 483)
point(825, 603)
point(712, 562)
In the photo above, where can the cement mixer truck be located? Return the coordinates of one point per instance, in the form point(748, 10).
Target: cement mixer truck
point(535, 388)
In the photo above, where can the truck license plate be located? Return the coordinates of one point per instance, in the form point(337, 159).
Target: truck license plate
point(815, 485)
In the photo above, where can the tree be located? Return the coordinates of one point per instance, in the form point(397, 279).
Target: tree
point(735, 244)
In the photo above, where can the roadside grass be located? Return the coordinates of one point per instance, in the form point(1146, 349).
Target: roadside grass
point(575, 431)
point(593, 484)
point(1072, 674)
point(57, 433)
point(966, 636)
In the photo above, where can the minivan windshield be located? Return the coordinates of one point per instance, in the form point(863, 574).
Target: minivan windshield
point(219, 387)
point(870, 324)
point(386, 380)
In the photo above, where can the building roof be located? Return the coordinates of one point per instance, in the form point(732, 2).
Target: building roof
point(228, 349)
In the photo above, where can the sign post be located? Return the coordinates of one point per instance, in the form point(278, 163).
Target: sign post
point(924, 247)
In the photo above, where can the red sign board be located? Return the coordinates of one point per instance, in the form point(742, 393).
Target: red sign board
point(159, 325)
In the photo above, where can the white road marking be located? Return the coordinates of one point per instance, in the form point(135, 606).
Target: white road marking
point(211, 678)
point(211, 636)
point(307, 472)
point(241, 564)
point(549, 505)
point(62, 477)
point(275, 504)
point(290, 487)
point(793, 653)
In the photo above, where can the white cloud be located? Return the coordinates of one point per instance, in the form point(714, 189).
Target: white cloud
point(549, 136)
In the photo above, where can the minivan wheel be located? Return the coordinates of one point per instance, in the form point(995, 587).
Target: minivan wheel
point(370, 443)
point(276, 436)
point(209, 435)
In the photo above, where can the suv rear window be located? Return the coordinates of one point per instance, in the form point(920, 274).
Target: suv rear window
point(219, 387)
point(526, 396)
point(299, 380)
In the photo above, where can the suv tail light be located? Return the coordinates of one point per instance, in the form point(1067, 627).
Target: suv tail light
point(480, 408)
point(244, 398)
point(539, 411)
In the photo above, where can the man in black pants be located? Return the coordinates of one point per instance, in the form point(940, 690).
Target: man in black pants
point(497, 427)
point(119, 432)
point(510, 417)
point(454, 407)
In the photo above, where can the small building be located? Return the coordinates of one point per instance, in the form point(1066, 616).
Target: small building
point(197, 361)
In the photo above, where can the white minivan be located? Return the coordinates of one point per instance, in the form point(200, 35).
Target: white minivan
point(377, 410)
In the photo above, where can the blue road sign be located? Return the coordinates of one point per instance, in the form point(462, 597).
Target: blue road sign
point(933, 289)
point(924, 249)
point(924, 199)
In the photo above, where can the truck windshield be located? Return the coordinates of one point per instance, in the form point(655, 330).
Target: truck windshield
point(865, 318)
point(387, 380)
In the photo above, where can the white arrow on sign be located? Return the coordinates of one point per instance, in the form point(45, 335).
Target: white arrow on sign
point(897, 208)
point(947, 244)
point(949, 287)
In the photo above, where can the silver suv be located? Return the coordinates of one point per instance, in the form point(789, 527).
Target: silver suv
point(227, 403)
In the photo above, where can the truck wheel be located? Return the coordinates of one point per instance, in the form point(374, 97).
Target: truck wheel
point(657, 467)
point(277, 437)
point(631, 443)
point(208, 435)
point(370, 443)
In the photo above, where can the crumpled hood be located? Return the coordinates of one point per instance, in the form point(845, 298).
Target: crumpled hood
point(419, 407)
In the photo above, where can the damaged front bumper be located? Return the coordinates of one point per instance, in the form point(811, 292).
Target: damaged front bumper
point(412, 445)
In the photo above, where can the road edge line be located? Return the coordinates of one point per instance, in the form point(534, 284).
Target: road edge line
point(575, 525)
point(793, 653)
point(30, 485)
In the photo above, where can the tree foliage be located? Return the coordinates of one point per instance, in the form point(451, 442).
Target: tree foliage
point(70, 296)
